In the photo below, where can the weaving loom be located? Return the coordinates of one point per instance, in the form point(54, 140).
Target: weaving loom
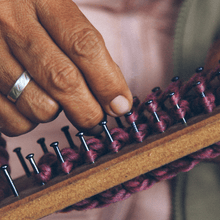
point(137, 166)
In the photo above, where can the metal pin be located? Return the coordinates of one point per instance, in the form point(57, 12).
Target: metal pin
point(82, 139)
point(156, 89)
point(119, 123)
point(54, 145)
point(65, 130)
point(178, 107)
point(9, 179)
point(199, 69)
point(133, 123)
point(202, 93)
point(155, 114)
point(41, 141)
point(30, 157)
point(104, 125)
point(175, 78)
point(22, 161)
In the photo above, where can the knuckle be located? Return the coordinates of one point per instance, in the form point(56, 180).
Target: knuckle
point(62, 78)
point(36, 105)
point(47, 111)
point(87, 43)
point(15, 31)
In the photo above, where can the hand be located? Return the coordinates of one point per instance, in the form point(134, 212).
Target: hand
point(67, 60)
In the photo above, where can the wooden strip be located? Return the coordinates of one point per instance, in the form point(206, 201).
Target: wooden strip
point(113, 169)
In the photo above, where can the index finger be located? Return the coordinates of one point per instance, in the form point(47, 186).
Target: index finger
point(84, 45)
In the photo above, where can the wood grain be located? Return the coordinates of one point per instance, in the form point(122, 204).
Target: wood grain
point(110, 170)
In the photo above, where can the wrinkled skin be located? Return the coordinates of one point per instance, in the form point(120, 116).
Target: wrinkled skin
point(68, 61)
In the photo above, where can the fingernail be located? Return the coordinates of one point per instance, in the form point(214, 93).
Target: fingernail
point(120, 105)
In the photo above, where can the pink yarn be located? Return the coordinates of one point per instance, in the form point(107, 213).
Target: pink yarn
point(206, 101)
point(207, 153)
point(96, 149)
point(142, 128)
point(182, 112)
point(139, 183)
point(132, 117)
point(120, 137)
point(180, 108)
point(143, 132)
point(152, 105)
point(71, 160)
point(163, 124)
point(47, 166)
point(115, 194)
point(86, 204)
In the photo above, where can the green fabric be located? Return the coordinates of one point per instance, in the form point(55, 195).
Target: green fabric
point(197, 27)
point(197, 193)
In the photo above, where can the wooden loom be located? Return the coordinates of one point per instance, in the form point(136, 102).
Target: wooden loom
point(110, 170)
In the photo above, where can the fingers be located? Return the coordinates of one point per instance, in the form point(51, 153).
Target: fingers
point(53, 71)
point(84, 45)
point(68, 61)
point(33, 103)
point(12, 122)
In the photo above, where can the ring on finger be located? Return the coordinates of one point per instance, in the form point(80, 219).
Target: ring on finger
point(19, 86)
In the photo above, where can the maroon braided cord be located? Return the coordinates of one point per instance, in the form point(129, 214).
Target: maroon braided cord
point(96, 149)
point(71, 160)
point(120, 137)
point(142, 128)
point(47, 165)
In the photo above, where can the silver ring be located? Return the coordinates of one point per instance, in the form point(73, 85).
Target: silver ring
point(19, 86)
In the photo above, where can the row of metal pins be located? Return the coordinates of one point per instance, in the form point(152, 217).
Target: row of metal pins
point(41, 141)
point(30, 157)
point(65, 129)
